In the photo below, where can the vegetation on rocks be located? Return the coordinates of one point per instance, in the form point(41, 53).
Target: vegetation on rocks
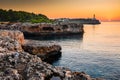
point(22, 16)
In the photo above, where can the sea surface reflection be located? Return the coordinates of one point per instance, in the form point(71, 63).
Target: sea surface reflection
point(97, 52)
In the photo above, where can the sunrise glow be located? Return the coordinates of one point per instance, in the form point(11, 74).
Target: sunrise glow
point(105, 10)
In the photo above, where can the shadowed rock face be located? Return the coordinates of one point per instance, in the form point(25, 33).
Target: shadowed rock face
point(13, 40)
point(51, 28)
point(43, 29)
point(46, 50)
point(48, 29)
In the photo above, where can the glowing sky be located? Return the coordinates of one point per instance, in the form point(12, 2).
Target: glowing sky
point(104, 9)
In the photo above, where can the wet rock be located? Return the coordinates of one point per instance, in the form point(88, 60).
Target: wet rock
point(55, 78)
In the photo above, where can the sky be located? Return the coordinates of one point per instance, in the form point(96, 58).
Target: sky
point(103, 9)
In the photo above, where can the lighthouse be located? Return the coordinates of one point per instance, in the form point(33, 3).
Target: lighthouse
point(94, 17)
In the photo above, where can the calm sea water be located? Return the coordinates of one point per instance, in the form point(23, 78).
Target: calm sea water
point(97, 53)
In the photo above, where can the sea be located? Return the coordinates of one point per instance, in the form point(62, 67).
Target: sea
point(96, 52)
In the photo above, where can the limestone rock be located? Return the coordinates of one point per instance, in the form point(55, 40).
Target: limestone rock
point(24, 66)
point(45, 50)
point(7, 44)
point(43, 29)
point(16, 35)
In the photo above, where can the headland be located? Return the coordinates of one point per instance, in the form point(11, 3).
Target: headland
point(19, 60)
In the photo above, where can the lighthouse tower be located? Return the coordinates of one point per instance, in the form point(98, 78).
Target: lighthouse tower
point(94, 17)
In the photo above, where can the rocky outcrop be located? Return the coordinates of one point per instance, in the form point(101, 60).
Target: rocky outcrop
point(7, 44)
point(14, 41)
point(16, 64)
point(46, 50)
point(51, 28)
point(13, 34)
point(45, 29)
point(11, 41)
point(23, 66)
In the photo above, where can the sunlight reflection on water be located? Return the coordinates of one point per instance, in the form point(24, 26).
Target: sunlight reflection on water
point(97, 53)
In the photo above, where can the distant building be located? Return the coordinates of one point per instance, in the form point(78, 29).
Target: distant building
point(62, 21)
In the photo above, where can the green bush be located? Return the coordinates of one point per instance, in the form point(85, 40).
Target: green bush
point(22, 16)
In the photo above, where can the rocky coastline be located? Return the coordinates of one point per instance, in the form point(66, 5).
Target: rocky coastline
point(47, 51)
point(14, 41)
point(44, 29)
point(22, 59)
point(23, 66)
